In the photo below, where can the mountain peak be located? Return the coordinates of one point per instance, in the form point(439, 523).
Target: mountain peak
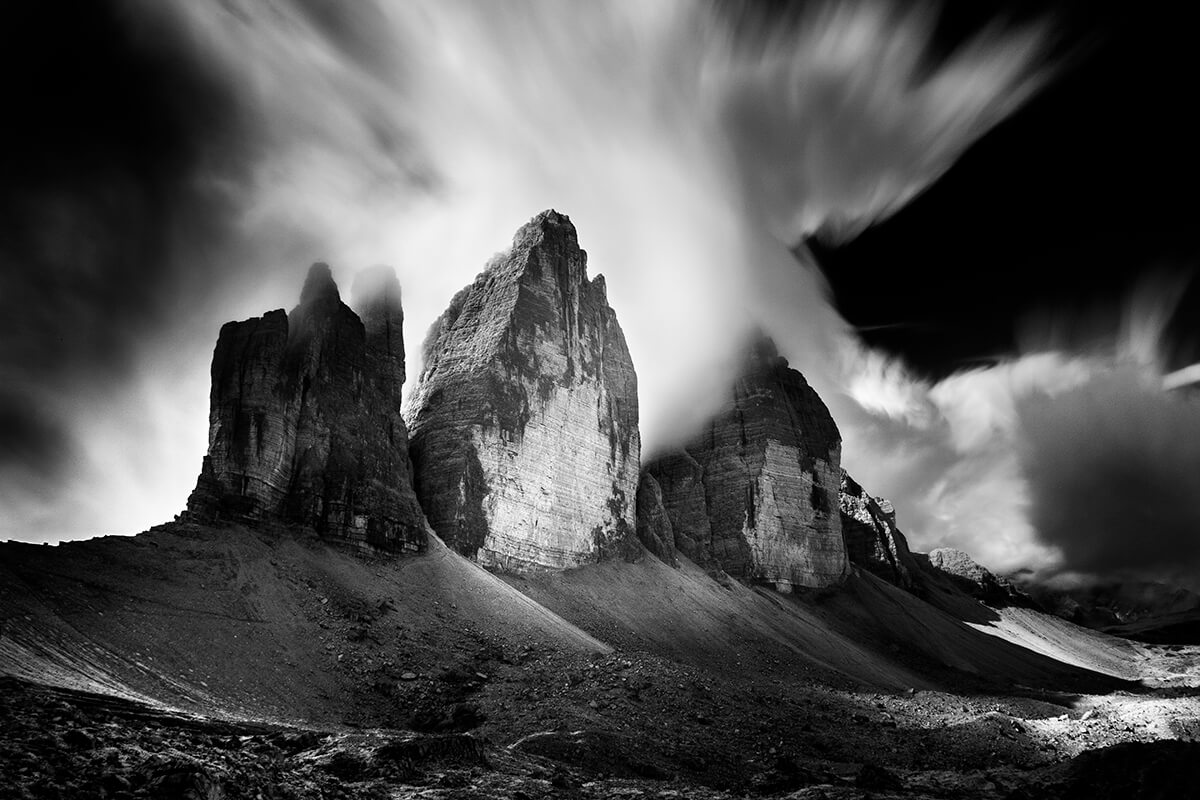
point(376, 290)
point(547, 227)
point(305, 423)
point(552, 217)
point(524, 421)
point(376, 293)
point(756, 493)
point(319, 285)
point(761, 353)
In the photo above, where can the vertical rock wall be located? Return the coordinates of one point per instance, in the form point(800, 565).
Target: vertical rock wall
point(305, 424)
point(756, 493)
point(525, 442)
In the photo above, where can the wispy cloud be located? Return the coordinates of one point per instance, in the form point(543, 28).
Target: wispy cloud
point(689, 151)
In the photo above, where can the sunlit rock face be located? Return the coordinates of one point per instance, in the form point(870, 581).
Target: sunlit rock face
point(873, 541)
point(756, 493)
point(305, 424)
point(524, 423)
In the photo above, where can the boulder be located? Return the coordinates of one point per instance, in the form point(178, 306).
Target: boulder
point(524, 422)
point(755, 494)
point(305, 424)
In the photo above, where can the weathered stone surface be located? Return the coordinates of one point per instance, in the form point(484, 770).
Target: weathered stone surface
point(304, 420)
point(873, 541)
point(756, 492)
point(525, 442)
point(248, 434)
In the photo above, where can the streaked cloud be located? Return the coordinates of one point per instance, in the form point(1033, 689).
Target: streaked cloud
point(691, 154)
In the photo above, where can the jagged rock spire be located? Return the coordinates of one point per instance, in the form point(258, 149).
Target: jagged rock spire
point(524, 422)
point(305, 425)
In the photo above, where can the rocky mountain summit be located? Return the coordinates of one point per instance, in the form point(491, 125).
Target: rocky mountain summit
point(304, 420)
point(974, 578)
point(756, 493)
point(524, 423)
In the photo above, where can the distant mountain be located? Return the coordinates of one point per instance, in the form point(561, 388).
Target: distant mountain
point(1144, 610)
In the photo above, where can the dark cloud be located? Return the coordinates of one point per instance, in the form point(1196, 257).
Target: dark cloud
point(109, 125)
point(1113, 468)
point(28, 437)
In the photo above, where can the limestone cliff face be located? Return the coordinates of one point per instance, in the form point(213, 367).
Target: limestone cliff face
point(304, 421)
point(873, 541)
point(524, 423)
point(756, 493)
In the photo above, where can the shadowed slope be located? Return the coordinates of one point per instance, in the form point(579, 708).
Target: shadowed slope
point(245, 623)
point(866, 633)
point(248, 623)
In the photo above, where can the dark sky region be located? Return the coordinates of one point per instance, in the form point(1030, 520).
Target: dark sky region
point(107, 127)
point(1059, 210)
point(1003, 209)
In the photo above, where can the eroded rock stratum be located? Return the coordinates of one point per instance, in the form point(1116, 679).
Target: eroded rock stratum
point(524, 424)
point(304, 419)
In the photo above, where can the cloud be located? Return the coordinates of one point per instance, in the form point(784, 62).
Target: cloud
point(677, 143)
point(1113, 467)
point(689, 152)
point(103, 151)
point(946, 453)
point(883, 386)
point(980, 404)
point(839, 120)
point(28, 438)
point(1068, 459)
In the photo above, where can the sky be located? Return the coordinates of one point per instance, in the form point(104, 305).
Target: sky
point(968, 228)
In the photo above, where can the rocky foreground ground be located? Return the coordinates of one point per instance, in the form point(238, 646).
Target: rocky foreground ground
point(548, 724)
point(225, 663)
